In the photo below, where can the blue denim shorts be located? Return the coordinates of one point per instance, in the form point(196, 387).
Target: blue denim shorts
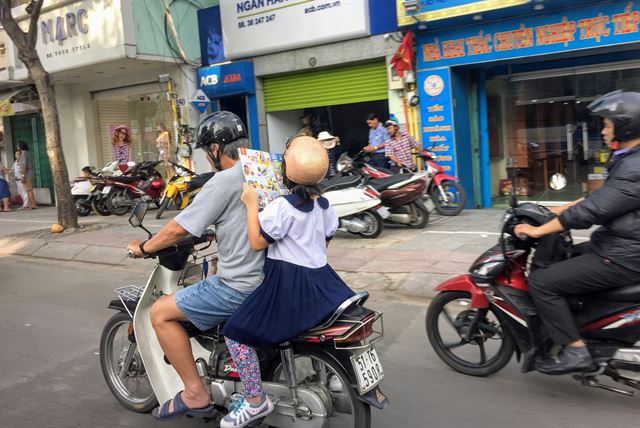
point(209, 302)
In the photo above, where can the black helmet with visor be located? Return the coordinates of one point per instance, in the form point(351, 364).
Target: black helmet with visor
point(623, 109)
point(221, 127)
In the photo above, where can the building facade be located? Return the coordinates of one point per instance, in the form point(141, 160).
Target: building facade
point(504, 89)
point(112, 63)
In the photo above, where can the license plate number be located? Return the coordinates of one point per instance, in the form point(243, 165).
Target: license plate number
point(106, 190)
point(384, 212)
point(368, 370)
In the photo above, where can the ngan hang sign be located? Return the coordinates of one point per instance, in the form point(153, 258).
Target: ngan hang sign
point(603, 25)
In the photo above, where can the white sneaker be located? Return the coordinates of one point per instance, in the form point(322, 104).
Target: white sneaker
point(335, 385)
point(244, 413)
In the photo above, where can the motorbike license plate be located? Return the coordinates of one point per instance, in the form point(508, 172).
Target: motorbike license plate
point(384, 212)
point(368, 369)
point(106, 190)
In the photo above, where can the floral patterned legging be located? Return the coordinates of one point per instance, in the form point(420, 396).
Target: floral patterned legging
point(248, 367)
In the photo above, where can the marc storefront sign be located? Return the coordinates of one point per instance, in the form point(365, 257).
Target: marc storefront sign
point(77, 34)
point(256, 27)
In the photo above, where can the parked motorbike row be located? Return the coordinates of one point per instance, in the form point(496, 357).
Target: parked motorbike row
point(366, 198)
point(112, 191)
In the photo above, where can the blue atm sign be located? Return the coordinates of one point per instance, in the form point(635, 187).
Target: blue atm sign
point(227, 79)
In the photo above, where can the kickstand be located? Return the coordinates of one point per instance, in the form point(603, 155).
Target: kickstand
point(592, 381)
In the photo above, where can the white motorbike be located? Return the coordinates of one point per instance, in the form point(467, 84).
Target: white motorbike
point(327, 377)
point(82, 188)
point(358, 206)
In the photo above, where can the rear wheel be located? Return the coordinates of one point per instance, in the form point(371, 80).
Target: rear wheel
point(118, 202)
point(373, 223)
point(320, 373)
point(99, 206)
point(122, 366)
point(82, 207)
point(419, 216)
point(452, 201)
point(470, 341)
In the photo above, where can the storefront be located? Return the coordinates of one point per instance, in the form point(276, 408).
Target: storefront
point(505, 101)
point(232, 87)
point(330, 76)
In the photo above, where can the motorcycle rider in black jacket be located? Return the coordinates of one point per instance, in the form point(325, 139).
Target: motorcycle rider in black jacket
point(612, 257)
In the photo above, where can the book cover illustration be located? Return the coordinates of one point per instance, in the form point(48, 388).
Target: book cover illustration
point(263, 172)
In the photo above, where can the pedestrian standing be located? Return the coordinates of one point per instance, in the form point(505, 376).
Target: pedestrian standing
point(17, 174)
point(332, 145)
point(377, 137)
point(26, 168)
point(5, 193)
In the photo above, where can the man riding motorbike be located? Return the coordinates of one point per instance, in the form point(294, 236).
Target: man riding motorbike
point(211, 301)
point(612, 257)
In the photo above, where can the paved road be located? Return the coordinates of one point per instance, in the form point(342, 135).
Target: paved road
point(52, 313)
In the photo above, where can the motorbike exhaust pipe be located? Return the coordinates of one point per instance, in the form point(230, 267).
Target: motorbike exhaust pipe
point(353, 225)
point(400, 218)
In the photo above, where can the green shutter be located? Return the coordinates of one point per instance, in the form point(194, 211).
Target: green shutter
point(347, 85)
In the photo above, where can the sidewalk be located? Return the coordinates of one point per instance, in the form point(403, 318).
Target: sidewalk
point(407, 261)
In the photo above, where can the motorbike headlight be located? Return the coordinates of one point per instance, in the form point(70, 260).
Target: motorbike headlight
point(488, 270)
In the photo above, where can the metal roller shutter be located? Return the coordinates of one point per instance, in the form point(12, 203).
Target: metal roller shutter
point(346, 85)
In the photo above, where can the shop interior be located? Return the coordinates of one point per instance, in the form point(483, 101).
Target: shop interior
point(346, 121)
point(540, 125)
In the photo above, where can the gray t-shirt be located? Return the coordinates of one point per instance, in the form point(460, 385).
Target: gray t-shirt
point(27, 163)
point(219, 203)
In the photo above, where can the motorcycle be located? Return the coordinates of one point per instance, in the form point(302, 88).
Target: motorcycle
point(83, 189)
point(139, 183)
point(401, 193)
point(446, 192)
point(329, 376)
point(358, 205)
point(489, 311)
point(181, 188)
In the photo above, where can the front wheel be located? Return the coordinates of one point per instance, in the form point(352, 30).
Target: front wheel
point(318, 372)
point(470, 341)
point(122, 366)
point(419, 216)
point(373, 224)
point(449, 198)
point(164, 204)
point(117, 202)
point(99, 206)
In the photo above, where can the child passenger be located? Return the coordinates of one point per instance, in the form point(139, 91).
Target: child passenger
point(300, 289)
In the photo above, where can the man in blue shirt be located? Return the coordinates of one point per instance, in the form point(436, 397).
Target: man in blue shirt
point(377, 137)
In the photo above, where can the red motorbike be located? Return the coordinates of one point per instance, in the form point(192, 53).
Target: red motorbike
point(445, 191)
point(480, 319)
point(141, 183)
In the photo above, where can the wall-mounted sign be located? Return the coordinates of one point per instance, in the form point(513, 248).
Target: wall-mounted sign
point(436, 114)
point(6, 109)
point(412, 11)
point(200, 101)
point(227, 79)
point(254, 27)
point(604, 24)
point(77, 34)
point(211, 42)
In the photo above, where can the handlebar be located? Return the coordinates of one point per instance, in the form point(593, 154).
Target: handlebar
point(182, 245)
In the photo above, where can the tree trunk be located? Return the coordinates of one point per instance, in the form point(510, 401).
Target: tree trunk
point(67, 214)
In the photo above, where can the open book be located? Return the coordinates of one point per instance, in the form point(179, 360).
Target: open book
point(263, 172)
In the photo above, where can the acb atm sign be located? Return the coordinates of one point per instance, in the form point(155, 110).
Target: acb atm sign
point(227, 79)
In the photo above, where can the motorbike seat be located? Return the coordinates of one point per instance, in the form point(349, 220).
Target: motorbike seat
point(352, 302)
point(338, 183)
point(381, 184)
point(629, 294)
point(125, 179)
point(199, 180)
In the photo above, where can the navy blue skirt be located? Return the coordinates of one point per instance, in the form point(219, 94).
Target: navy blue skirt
point(4, 189)
point(291, 300)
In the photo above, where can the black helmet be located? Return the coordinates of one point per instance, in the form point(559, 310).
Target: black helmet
point(221, 127)
point(623, 109)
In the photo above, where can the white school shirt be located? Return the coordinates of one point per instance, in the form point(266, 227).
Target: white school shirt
point(17, 170)
point(298, 235)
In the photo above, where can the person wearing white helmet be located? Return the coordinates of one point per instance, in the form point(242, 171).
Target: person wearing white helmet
point(300, 289)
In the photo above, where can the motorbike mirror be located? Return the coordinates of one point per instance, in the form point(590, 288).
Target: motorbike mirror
point(139, 211)
point(558, 181)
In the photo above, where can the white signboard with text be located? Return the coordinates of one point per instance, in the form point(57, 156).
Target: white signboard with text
point(256, 27)
point(79, 33)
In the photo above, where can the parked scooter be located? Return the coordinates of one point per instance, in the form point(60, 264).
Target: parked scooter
point(445, 191)
point(401, 193)
point(327, 377)
point(140, 183)
point(83, 189)
point(358, 206)
point(478, 320)
point(181, 188)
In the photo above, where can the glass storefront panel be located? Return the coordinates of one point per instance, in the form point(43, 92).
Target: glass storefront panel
point(541, 126)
